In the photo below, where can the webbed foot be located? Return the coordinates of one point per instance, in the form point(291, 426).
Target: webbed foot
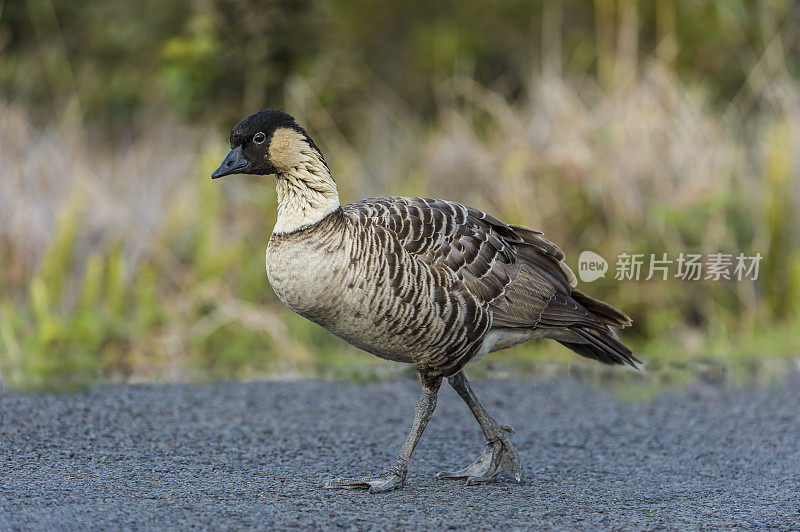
point(375, 484)
point(498, 457)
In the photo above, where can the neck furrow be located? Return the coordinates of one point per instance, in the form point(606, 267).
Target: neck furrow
point(306, 194)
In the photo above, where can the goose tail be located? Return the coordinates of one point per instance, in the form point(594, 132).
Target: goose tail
point(601, 345)
point(603, 311)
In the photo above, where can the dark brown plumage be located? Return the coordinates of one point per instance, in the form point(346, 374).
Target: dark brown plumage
point(501, 276)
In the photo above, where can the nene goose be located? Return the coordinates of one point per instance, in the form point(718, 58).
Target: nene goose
point(423, 281)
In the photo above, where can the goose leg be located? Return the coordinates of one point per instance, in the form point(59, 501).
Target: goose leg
point(396, 476)
point(499, 455)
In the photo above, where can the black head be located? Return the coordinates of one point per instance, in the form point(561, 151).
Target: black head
point(257, 149)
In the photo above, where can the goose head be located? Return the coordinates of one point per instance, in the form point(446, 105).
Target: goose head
point(268, 142)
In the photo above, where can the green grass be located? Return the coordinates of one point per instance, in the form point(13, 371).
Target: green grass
point(171, 284)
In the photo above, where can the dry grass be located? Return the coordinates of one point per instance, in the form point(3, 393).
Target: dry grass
point(648, 167)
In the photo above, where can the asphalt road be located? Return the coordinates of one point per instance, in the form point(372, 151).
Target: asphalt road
point(255, 455)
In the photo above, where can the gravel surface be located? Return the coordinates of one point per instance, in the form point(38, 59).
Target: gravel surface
point(254, 455)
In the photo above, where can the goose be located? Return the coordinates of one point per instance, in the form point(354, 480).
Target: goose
point(420, 281)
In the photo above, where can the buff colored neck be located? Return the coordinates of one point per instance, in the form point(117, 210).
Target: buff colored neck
point(306, 193)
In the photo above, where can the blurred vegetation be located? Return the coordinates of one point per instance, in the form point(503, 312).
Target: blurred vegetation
point(616, 126)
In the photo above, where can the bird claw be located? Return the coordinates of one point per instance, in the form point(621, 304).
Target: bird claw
point(498, 457)
point(374, 484)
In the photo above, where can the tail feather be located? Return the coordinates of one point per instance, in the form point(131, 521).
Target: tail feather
point(605, 312)
point(602, 346)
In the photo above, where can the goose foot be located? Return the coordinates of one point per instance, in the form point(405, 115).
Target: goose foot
point(375, 484)
point(396, 476)
point(498, 457)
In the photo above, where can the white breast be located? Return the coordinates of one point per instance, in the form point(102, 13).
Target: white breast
point(301, 276)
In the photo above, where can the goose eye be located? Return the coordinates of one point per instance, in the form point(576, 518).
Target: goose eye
point(259, 137)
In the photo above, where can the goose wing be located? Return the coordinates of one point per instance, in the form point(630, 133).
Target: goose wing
point(510, 269)
point(510, 272)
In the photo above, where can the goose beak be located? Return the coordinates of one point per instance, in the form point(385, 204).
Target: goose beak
point(234, 163)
